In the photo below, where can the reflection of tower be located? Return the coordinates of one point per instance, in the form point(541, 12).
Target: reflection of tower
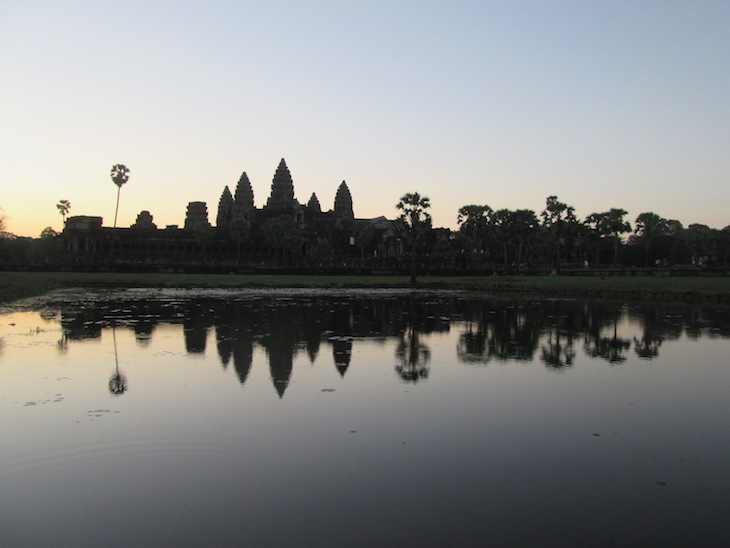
point(143, 326)
point(242, 353)
point(342, 352)
point(195, 329)
point(313, 340)
point(223, 342)
point(280, 344)
point(281, 360)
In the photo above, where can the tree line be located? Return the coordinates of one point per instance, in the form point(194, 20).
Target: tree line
point(557, 236)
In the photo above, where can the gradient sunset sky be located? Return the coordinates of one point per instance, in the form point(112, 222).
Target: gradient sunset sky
point(603, 103)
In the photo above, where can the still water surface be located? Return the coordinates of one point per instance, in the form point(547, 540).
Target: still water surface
point(378, 418)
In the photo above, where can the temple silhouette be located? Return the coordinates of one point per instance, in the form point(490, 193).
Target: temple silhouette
point(283, 231)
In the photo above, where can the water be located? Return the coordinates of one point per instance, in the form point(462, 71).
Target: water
point(361, 418)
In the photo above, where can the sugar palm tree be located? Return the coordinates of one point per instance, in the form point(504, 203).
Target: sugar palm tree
point(63, 206)
point(416, 221)
point(120, 175)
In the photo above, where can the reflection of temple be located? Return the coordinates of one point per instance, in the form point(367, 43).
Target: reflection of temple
point(494, 329)
point(87, 241)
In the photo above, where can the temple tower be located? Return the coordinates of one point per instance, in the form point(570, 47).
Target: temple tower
point(144, 221)
point(225, 209)
point(343, 202)
point(243, 197)
point(313, 204)
point(282, 189)
point(197, 212)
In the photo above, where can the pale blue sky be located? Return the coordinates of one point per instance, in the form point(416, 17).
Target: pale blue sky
point(606, 104)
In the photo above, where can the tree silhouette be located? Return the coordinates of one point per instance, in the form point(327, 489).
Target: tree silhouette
point(648, 228)
point(48, 233)
point(120, 175)
point(283, 234)
point(63, 206)
point(239, 230)
point(416, 221)
point(555, 217)
point(609, 224)
point(474, 222)
point(615, 226)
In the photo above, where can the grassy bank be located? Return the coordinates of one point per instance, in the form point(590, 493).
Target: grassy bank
point(16, 285)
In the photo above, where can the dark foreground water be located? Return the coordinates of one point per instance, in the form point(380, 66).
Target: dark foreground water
point(222, 418)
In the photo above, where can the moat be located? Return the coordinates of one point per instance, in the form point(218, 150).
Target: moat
point(361, 418)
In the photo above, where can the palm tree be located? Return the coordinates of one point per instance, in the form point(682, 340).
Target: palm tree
point(416, 221)
point(649, 227)
point(63, 206)
point(615, 226)
point(555, 217)
point(120, 175)
point(474, 222)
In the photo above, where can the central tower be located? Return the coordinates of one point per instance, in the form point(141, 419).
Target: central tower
point(282, 189)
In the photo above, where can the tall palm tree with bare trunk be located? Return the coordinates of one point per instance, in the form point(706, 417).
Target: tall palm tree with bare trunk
point(120, 175)
point(63, 206)
point(416, 221)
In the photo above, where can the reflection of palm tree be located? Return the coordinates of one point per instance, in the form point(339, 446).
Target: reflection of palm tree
point(413, 356)
point(117, 382)
point(556, 353)
point(609, 348)
point(472, 347)
point(62, 343)
point(647, 346)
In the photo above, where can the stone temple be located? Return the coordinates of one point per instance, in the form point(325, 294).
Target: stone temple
point(283, 227)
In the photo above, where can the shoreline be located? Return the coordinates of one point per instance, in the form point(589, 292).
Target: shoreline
point(18, 285)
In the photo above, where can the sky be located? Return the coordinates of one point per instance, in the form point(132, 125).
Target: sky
point(605, 104)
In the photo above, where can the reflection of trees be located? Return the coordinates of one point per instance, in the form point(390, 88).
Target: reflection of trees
point(493, 329)
point(503, 331)
point(613, 348)
point(413, 357)
point(117, 382)
point(412, 354)
point(557, 350)
point(62, 343)
point(653, 332)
